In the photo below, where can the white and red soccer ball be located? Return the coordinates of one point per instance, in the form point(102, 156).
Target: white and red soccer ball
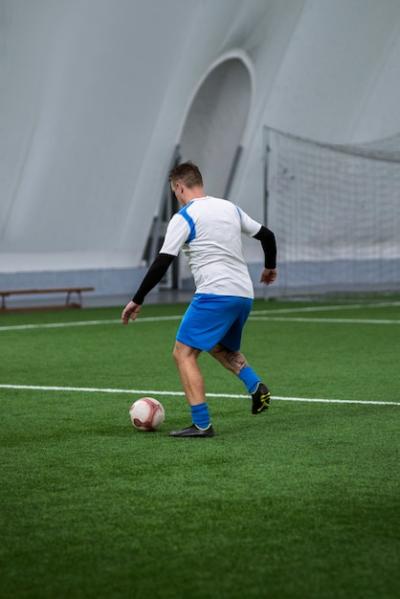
point(147, 414)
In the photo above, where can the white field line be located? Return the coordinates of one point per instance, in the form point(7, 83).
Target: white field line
point(83, 323)
point(175, 393)
point(327, 320)
point(332, 308)
point(254, 316)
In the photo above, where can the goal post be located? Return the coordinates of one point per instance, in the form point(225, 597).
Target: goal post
point(335, 210)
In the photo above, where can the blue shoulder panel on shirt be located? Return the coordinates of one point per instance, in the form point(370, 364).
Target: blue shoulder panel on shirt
point(183, 212)
point(240, 214)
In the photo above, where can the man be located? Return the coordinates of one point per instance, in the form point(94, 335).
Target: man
point(209, 231)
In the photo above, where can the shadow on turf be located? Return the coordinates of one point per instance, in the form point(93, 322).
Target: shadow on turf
point(247, 424)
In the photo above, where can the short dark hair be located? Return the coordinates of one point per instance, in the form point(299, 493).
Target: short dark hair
point(188, 173)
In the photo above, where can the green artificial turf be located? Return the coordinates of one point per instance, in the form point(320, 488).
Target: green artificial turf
point(300, 502)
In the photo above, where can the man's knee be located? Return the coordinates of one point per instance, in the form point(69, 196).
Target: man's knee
point(177, 352)
point(183, 352)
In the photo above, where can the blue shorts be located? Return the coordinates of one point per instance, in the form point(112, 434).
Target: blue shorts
point(211, 319)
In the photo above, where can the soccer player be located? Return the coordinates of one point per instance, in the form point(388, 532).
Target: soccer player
point(208, 230)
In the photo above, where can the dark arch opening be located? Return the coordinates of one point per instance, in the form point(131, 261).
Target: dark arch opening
point(215, 123)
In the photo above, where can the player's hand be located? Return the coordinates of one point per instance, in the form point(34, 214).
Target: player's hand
point(268, 275)
point(130, 311)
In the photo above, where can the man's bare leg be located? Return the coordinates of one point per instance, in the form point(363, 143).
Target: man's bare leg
point(193, 385)
point(235, 362)
point(231, 360)
point(192, 380)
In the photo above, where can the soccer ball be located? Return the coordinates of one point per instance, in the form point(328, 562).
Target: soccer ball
point(147, 414)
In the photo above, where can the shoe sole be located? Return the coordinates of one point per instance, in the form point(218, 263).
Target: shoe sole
point(190, 432)
point(192, 436)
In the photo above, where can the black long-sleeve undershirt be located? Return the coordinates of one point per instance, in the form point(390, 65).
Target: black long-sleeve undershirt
point(268, 243)
point(163, 261)
point(153, 276)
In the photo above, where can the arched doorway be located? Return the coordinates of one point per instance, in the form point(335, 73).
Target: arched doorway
point(215, 122)
point(211, 136)
point(213, 130)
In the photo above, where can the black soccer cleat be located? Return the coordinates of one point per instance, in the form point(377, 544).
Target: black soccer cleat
point(261, 399)
point(193, 431)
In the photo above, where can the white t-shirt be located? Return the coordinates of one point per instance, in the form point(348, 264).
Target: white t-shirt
point(208, 230)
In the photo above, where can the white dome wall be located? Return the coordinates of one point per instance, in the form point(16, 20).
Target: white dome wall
point(95, 93)
point(94, 116)
point(330, 69)
point(337, 81)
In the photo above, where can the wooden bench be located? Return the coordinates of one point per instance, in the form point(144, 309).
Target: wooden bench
point(68, 290)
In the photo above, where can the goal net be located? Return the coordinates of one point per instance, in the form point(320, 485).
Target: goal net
point(335, 210)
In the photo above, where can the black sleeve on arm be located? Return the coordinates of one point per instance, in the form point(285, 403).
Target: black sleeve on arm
point(153, 276)
point(268, 243)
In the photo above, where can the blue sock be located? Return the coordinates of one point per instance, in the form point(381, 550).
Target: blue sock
point(249, 378)
point(200, 415)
